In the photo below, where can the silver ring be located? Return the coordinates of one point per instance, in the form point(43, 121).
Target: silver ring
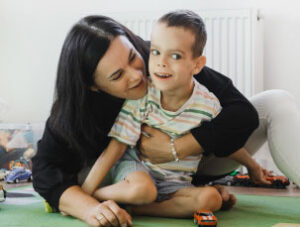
point(99, 217)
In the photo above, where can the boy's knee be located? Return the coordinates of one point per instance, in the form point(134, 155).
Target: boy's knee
point(209, 199)
point(143, 192)
point(142, 189)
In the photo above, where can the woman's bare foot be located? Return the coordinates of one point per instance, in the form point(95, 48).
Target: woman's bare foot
point(228, 200)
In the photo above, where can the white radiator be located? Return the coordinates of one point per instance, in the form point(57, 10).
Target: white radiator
point(234, 45)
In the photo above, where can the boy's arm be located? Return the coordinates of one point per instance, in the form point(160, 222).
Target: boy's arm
point(103, 164)
point(115, 149)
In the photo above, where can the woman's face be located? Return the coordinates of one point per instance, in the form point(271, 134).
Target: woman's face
point(121, 71)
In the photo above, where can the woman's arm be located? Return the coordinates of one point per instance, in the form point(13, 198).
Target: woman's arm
point(230, 130)
point(53, 159)
point(103, 164)
point(222, 136)
point(257, 174)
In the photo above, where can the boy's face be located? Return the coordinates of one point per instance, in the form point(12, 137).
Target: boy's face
point(171, 62)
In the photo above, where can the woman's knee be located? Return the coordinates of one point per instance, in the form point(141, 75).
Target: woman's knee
point(273, 105)
point(275, 99)
point(209, 198)
point(142, 189)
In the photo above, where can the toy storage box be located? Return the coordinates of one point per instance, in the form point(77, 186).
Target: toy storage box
point(18, 143)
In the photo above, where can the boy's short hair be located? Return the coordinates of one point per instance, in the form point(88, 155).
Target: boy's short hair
point(191, 21)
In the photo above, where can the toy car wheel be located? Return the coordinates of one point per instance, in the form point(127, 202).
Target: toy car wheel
point(278, 184)
point(228, 183)
point(17, 180)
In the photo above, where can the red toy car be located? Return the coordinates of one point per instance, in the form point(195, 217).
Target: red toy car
point(276, 181)
point(205, 218)
point(279, 181)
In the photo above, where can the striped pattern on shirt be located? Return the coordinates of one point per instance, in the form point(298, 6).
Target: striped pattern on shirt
point(201, 106)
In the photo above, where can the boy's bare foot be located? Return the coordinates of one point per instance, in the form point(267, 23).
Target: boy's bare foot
point(228, 200)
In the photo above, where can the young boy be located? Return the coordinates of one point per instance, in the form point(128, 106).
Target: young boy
point(175, 103)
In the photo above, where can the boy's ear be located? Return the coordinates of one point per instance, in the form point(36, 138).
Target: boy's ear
point(200, 63)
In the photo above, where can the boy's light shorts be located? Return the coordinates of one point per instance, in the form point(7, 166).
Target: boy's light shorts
point(130, 163)
point(127, 164)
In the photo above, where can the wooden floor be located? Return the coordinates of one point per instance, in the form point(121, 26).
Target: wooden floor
point(7, 186)
point(291, 190)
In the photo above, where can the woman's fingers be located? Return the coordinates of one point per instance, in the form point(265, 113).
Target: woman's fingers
point(107, 217)
point(263, 177)
point(103, 220)
point(155, 148)
point(148, 130)
point(152, 132)
point(108, 213)
point(116, 215)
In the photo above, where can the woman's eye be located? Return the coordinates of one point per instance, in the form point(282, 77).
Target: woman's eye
point(155, 52)
point(117, 76)
point(132, 57)
point(176, 56)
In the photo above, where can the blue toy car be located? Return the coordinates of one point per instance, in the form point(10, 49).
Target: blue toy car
point(19, 174)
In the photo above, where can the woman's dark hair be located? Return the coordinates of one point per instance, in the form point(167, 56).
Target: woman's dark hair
point(86, 43)
point(187, 19)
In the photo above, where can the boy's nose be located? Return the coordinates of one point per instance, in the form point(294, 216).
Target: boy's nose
point(161, 64)
point(162, 61)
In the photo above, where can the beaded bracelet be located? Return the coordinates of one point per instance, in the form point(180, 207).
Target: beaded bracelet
point(173, 150)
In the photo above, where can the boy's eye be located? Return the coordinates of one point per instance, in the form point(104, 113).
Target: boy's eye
point(155, 52)
point(176, 56)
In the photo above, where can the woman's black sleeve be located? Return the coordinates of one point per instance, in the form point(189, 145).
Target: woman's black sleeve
point(230, 130)
point(53, 168)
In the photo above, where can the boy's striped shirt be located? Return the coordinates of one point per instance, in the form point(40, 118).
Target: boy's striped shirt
point(201, 106)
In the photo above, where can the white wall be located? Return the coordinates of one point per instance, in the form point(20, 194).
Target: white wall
point(32, 33)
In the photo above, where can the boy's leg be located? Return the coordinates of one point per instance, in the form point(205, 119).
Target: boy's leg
point(183, 203)
point(137, 188)
point(128, 181)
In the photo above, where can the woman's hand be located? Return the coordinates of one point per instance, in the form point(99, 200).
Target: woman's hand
point(75, 202)
point(107, 213)
point(156, 146)
point(259, 175)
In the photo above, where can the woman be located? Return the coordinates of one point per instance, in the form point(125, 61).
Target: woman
point(85, 109)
